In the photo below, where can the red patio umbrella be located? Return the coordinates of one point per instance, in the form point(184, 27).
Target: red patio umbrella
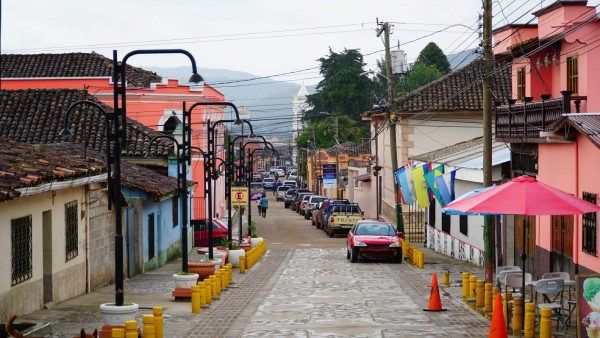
point(524, 195)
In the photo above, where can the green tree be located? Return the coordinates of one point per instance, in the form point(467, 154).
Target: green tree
point(433, 55)
point(420, 75)
point(343, 92)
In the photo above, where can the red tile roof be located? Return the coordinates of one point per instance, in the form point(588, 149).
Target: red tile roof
point(70, 65)
point(460, 90)
point(37, 116)
point(23, 165)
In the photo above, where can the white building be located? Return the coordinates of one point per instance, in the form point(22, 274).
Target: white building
point(299, 106)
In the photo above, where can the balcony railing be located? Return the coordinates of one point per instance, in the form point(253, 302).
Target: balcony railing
point(523, 122)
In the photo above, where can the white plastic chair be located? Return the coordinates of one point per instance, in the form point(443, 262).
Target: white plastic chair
point(501, 276)
point(572, 304)
point(552, 287)
point(514, 280)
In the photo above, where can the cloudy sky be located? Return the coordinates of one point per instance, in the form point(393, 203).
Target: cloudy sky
point(262, 37)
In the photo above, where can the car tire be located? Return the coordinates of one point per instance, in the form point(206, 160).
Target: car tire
point(354, 255)
point(347, 253)
point(330, 234)
point(398, 259)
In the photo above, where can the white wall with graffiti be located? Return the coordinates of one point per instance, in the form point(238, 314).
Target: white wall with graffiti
point(448, 245)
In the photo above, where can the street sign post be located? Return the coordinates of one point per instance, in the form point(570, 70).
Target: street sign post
point(239, 196)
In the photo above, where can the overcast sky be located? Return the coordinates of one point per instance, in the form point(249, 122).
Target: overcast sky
point(262, 37)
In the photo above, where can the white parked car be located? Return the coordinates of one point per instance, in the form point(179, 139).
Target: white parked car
point(281, 190)
point(293, 175)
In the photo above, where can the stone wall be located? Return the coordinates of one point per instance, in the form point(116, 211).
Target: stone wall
point(102, 240)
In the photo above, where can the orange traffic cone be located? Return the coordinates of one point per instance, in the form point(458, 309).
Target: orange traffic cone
point(435, 303)
point(498, 328)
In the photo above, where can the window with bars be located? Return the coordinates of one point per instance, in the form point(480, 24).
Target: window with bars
point(432, 212)
point(21, 234)
point(445, 223)
point(572, 75)
point(71, 231)
point(589, 227)
point(520, 84)
point(464, 225)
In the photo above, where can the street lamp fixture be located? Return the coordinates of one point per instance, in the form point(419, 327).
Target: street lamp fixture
point(118, 138)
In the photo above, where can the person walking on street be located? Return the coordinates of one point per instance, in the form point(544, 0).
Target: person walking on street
point(264, 205)
point(259, 207)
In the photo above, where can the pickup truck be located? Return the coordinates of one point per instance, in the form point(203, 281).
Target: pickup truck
point(342, 217)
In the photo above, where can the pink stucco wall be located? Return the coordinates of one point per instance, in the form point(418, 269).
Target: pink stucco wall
point(573, 168)
point(562, 18)
point(511, 36)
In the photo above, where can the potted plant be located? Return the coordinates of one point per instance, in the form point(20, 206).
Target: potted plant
point(116, 315)
point(235, 253)
point(185, 279)
point(202, 268)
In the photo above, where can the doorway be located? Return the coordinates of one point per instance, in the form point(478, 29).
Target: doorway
point(561, 256)
point(47, 257)
point(525, 242)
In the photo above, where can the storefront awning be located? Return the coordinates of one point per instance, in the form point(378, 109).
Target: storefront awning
point(364, 177)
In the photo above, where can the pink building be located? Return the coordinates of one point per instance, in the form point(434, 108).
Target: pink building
point(553, 126)
point(151, 100)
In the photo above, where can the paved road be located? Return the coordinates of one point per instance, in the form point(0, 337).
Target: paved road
point(303, 287)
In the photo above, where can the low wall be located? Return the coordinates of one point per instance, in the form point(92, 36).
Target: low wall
point(447, 245)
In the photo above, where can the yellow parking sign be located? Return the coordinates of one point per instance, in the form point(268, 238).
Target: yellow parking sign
point(239, 196)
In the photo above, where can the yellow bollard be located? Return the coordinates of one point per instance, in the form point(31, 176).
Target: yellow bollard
point(479, 294)
point(222, 274)
point(529, 331)
point(131, 329)
point(208, 288)
point(195, 300)
point(488, 297)
point(472, 288)
point(465, 285)
point(248, 259)
point(517, 315)
point(214, 286)
point(545, 323)
point(157, 311)
point(421, 259)
point(202, 288)
point(148, 326)
point(118, 332)
point(446, 277)
point(242, 264)
point(495, 290)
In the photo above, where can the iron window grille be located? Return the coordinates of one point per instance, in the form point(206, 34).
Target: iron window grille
point(589, 236)
point(464, 224)
point(446, 223)
point(71, 231)
point(21, 249)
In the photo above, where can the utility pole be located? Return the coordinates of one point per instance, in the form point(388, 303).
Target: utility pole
point(337, 156)
point(385, 29)
point(488, 56)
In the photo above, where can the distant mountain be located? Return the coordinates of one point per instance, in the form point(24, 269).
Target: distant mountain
point(269, 101)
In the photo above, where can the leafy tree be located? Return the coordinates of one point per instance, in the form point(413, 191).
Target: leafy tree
point(343, 91)
point(433, 55)
point(420, 75)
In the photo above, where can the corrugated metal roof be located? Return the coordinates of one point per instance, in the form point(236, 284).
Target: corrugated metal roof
point(588, 124)
point(498, 157)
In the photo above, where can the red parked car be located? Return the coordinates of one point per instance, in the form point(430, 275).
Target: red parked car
point(374, 239)
point(201, 232)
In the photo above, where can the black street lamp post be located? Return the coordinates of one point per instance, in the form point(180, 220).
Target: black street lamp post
point(118, 139)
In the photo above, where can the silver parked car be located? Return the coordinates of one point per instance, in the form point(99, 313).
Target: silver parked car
point(312, 203)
